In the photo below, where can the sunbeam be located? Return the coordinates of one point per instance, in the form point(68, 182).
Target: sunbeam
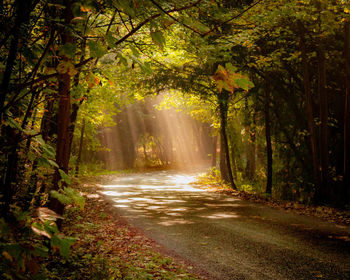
point(146, 136)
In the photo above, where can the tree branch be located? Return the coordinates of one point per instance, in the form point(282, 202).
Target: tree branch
point(141, 24)
point(236, 16)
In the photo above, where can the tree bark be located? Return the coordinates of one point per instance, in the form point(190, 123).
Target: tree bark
point(63, 139)
point(223, 108)
point(222, 163)
point(346, 177)
point(309, 110)
point(81, 142)
point(268, 136)
point(233, 159)
point(23, 10)
point(323, 193)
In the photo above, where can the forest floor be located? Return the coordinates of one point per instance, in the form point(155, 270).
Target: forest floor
point(108, 247)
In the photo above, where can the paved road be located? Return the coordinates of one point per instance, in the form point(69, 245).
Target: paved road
point(228, 238)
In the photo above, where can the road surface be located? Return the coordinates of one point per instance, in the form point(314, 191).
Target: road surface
point(228, 238)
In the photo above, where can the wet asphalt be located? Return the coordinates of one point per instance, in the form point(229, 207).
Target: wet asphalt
point(224, 237)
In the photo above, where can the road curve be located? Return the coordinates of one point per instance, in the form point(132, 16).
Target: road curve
point(228, 238)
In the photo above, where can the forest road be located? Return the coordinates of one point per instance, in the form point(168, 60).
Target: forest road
point(224, 237)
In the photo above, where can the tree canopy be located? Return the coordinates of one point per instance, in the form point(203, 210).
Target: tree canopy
point(270, 78)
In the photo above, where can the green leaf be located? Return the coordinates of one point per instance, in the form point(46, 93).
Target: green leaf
point(110, 40)
point(64, 176)
point(53, 163)
point(63, 243)
point(134, 51)
point(64, 199)
point(75, 195)
point(230, 67)
point(146, 67)
point(39, 229)
point(122, 59)
point(158, 38)
point(41, 251)
point(49, 151)
point(68, 49)
point(125, 6)
point(43, 162)
point(195, 24)
point(244, 83)
point(97, 49)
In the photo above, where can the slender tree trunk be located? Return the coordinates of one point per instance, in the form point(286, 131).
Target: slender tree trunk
point(23, 10)
point(81, 143)
point(223, 106)
point(309, 110)
point(323, 194)
point(76, 106)
point(233, 159)
point(7, 182)
point(63, 139)
point(250, 167)
point(222, 163)
point(268, 136)
point(346, 179)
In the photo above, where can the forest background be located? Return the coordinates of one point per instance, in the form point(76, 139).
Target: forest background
point(271, 78)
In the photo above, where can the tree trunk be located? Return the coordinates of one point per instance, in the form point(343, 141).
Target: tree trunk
point(81, 142)
point(233, 159)
point(346, 179)
point(268, 136)
point(309, 110)
point(323, 193)
point(223, 107)
point(222, 163)
point(63, 141)
point(23, 10)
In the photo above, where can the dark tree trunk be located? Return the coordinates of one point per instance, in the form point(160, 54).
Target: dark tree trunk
point(223, 107)
point(346, 179)
point(268, 136)
point(323, 193)
point(63, 139)
point(309, 110)
point(76, 106)
point(23, 10)
point(222, 162)
point(7, 189)
point(233, 159)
